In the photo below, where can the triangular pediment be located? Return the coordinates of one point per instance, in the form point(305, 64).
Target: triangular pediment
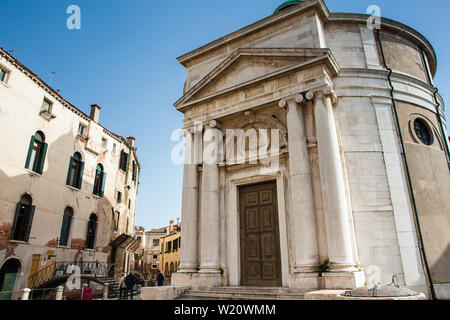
point(247, 65)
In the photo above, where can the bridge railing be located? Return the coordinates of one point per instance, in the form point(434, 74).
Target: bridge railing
point(65, 268)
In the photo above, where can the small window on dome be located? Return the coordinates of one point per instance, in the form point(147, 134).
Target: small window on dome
point(423, 131)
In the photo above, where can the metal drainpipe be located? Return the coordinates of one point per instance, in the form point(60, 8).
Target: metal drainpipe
point(408, 174)
point(438, 107)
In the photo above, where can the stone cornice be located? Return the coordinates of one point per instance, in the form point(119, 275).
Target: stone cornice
point(322, 8)
point(317, 57)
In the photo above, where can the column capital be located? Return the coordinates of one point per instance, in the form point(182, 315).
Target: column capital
point(298, 98)
point(282, 103)
point(326, 90)
point(198, 126)
point(214, 124)
point(186, 131)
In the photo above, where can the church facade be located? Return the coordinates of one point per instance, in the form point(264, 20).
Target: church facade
point(316, 156)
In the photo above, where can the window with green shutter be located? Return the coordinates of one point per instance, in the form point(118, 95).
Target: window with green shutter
point(134, 176)
point(23, 219)
point(124, 161)
point(65, 226)
point(75, 173)
point(91, 231)
point(37, 151)
point(99, 182)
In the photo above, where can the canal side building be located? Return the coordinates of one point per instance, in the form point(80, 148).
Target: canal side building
point(69, 185)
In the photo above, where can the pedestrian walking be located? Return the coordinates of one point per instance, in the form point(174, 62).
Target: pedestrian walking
point(122, 287)
point(130, 281)
point(160, 279)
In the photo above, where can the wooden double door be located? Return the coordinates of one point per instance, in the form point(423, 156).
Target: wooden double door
point(259, 234)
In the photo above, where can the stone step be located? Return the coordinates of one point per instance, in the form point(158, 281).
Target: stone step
point(257, 290)
point(231, 296)
point(243, 293)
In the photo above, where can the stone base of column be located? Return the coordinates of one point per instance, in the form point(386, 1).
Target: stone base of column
point(305, 268)
point(206, 280)
point(306, 280)
point(343, 280)
point(182, 279)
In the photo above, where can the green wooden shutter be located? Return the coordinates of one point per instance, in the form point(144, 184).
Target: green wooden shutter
point(127, 161)
point(30, 149)
point(102, 191)
point(65, 227)
point(134, 171)
point(69, 172)
point(80, 175)
point(29, 222)
point(41, 158)
point(13, 230)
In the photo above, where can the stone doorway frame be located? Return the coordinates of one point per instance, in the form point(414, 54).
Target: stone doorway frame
point(249, 176)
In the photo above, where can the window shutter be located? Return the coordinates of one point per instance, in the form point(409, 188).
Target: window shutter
point(65, 227)
point(69, 172)
point(134, 171)
point(30, 149)
point(88, 235)
point(91, 232)
point(102, 191)
point(127, 161)
point(13, 230)
point(121, 164)
point(80, 175)
point(29, 222)
point(41, 158)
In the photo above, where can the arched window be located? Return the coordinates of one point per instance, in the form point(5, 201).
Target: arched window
point(75, 174)
point(65, 226)
point(36, 153)
point(23, 219)
point(91, 232)
point(99, 182)
point(8, 274)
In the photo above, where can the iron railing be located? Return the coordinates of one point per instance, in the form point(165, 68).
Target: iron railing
point(61, 270)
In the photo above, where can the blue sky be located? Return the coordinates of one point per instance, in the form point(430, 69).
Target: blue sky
point(124, 59)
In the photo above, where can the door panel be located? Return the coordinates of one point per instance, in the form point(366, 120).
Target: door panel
point(260, 241)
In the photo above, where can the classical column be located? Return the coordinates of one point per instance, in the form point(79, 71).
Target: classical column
point(302, 198)
point(332, 181)
point(189, 209)
point(209, 214)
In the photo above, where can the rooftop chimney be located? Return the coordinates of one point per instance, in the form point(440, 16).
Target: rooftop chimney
point(131, 141)
point(95, 112)
point(171, 226)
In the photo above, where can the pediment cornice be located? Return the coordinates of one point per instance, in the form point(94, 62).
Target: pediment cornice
point(301, 58)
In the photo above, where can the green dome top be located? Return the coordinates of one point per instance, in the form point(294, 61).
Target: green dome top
point(287, 4)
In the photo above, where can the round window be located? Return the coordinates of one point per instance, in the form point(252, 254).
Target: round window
point(423, 132)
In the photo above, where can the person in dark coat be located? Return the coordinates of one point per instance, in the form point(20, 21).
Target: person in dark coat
point(130, 281)
point(160, 279)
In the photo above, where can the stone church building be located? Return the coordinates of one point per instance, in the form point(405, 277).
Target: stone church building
point(351, 174)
